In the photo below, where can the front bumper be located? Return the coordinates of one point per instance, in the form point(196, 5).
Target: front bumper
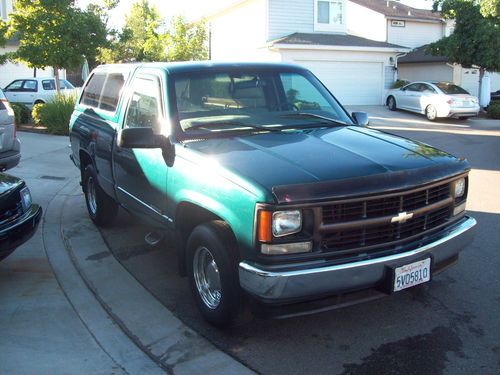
point(19, 231)
point(270, 286)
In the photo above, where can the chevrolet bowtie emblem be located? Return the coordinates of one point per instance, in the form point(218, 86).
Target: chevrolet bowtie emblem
point(402, 218)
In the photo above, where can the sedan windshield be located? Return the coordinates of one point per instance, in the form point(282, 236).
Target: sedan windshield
point(266, 100)
point(450, 89)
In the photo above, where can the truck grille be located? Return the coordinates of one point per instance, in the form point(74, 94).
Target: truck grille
point(367, 223)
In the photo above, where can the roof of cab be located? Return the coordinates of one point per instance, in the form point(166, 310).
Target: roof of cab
point(194, 66)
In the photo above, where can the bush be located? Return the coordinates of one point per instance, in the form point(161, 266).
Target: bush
point(494, 110)
point(55, 115)
point(399, 83)
point(21, 113)
point(36, 113)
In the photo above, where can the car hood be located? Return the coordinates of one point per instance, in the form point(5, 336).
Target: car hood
point(282, 161)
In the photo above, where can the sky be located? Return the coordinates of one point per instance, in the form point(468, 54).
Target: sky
point(193, 9)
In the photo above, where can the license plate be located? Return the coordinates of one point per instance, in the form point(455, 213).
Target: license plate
point(412, 274)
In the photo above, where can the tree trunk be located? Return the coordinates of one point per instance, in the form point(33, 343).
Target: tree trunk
point(56, 76)
point(481, 75)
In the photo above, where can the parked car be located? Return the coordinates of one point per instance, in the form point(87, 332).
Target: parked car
point(278, 198)
point(19, 217)
point(434, 99)
point(29, 91)
point(9, 143)
point(495, 95)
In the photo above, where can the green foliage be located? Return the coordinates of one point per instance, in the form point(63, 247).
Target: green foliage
point(55, 33)
point(186, 41)
point(55, 115)
point(21, 113)
point(399, 83)
point(36, 114)
point(494, 110)
point(476, 38)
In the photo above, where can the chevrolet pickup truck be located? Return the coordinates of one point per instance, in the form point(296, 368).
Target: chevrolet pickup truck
point(276, 196)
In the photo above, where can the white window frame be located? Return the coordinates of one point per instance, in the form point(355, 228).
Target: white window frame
point(328, 26)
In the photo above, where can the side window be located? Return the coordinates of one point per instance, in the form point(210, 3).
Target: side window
point(66, 84)
point(413, 87)
point(15, 86)
point(297, 89)
point(427, 89)
point(49, 84)
point(92, 92)
point(30, 85)
point(111, 91)
point(144, 108)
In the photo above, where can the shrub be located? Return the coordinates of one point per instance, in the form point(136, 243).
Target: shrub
point(36, 113)
point(55, 115)
point(21, 113)
point(399, 83)
point(494, 110)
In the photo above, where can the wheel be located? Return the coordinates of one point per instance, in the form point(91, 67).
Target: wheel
point(431, 113)
point(464, 118)
point(212, 265)
point(101, 207)
point(391, 103)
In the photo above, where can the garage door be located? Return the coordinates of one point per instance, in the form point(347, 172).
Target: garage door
point(352, 83)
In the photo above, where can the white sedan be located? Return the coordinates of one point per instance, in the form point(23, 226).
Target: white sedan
point(29, 91)
point(434, 99)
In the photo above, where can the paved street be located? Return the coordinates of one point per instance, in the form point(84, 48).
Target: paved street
point(449, 326)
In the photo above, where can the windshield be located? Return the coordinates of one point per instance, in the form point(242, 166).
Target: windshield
point(450, 89)
point(264, 100)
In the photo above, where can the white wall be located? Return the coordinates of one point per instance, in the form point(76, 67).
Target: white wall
point(365, 23)
point(5, 8)
point(425, 72)
point(495, 81)
point(11, 71)
point(414, 34)
point(290, 16)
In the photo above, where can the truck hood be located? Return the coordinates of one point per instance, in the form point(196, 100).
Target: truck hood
point(282, 162)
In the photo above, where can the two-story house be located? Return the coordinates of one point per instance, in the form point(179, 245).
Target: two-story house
point(351, 45)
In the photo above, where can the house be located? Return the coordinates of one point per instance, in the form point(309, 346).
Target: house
point(10, 71)
point(352, 45)
point(418, 65)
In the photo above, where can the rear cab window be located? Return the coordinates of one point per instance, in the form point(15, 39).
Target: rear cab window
point(103, 90)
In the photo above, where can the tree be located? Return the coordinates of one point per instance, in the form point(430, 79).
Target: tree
point(475, 41)
point(54, 33)
point(186, 41)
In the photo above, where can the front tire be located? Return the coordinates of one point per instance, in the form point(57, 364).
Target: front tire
point(101, 207)
point(391, 103)
point(431, 113)
point(212, 265)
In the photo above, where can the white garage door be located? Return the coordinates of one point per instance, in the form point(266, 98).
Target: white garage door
point(352, 83)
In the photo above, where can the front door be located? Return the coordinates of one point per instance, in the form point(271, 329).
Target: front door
point(141, 174)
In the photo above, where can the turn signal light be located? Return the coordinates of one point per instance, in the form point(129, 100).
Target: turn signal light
point(264, 226)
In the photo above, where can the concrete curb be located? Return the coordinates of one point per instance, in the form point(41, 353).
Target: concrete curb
point(105, 332)
point(149, 324)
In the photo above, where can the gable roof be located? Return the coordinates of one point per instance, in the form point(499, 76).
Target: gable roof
point(394, 9)
point(345, 40)
point(418, 55)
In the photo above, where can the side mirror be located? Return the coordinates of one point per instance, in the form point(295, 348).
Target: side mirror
point(402, 89)
point(361, 118)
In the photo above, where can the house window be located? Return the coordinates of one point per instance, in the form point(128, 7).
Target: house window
point(3, 9)
point(329, 15)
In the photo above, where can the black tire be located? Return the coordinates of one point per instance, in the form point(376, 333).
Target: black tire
point(391, 103)
point(464, 118)
point(431, 113)
point(217, 238)
point(101, 207)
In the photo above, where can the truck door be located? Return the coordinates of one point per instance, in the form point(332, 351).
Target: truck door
point(141, 174)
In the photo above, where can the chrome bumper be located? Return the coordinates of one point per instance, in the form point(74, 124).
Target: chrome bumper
point(275, 286)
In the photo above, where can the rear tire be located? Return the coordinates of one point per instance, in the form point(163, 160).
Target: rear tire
point(391, 103)
point(212, 266)
point(101, 207)
point(431, 113)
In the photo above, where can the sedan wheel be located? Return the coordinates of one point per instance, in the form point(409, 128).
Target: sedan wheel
point(431, 113)
point(391, 103)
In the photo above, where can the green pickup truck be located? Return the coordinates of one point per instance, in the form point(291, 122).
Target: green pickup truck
point(275, 197)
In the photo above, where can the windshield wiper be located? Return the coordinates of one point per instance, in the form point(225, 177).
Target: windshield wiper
point(238, 124)
point(316, 116)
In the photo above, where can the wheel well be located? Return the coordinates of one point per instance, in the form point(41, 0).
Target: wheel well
point(85, 160)
point(187, 217)
point(387, 101)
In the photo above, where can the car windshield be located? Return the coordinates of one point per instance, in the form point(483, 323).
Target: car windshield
point(266, 100)
point(450, 89)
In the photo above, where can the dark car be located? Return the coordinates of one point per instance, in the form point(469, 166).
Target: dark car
point(495, 95)
point(19, 217)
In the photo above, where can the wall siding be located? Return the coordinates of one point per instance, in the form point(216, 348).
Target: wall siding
point(425, 72)
point(290, 16)
point(389, 76)
point(414, 34)
point(365, 23)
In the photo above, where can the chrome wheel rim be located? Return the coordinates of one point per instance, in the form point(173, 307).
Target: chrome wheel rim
point(207, 277)
point(91, 199)
point(391, 103)
point(431, 113)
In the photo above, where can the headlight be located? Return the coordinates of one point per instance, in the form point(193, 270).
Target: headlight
point(460, 188)
point(25, 198)
point(286, 222)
